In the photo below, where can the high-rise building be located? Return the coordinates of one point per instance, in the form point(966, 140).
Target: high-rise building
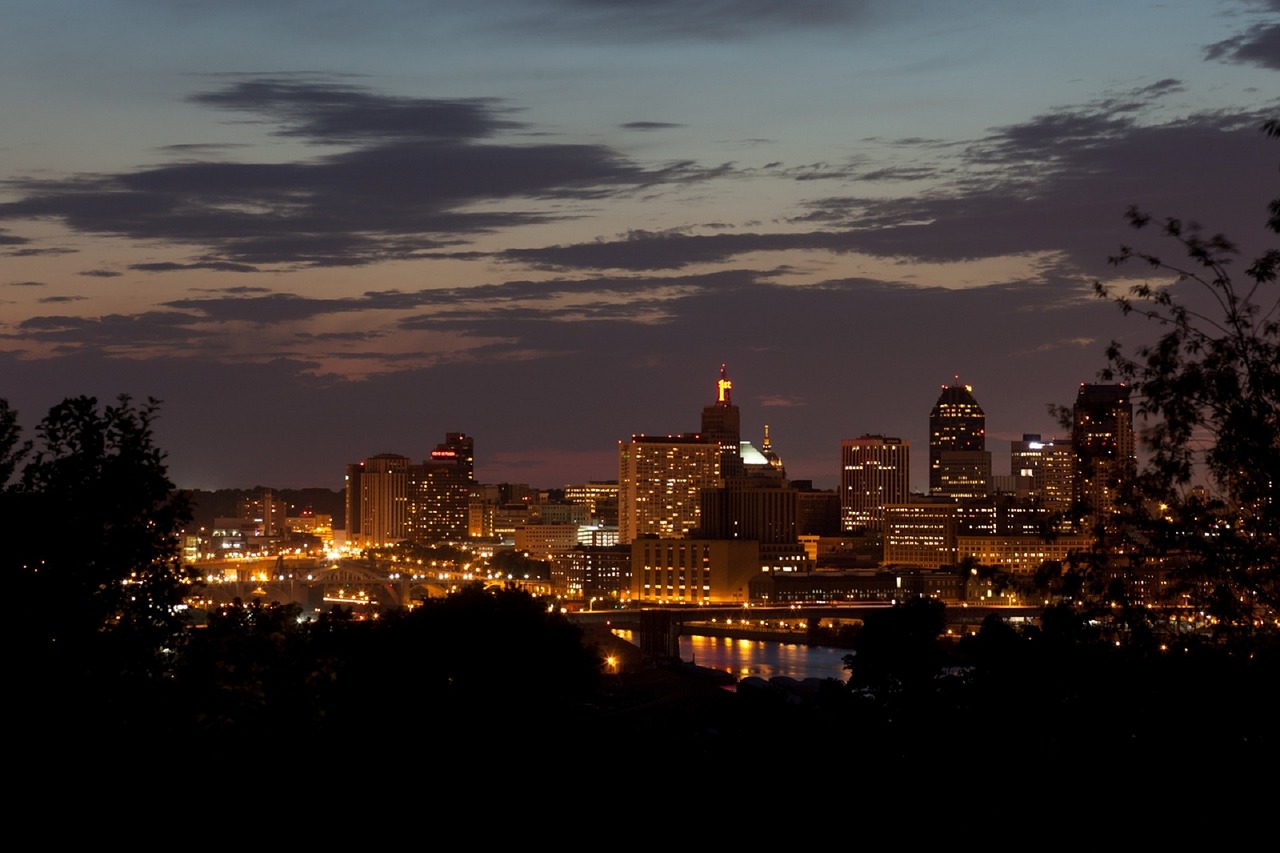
point(1050, 466)
point(439, 491)
point(599, 496)
point(1105, 452)
point(267, 513)
point(963, 474)
point(377, 500)
point(722, 424)
point(958, 467)
point(874, 471)
point(660, 481)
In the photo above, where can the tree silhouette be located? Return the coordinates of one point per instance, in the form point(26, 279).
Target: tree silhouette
point(1209, 390)
point(96, 564)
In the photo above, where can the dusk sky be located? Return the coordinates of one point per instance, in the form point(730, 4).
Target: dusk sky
point(319, 230)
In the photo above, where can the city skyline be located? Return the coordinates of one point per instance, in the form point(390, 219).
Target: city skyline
point(320, 237)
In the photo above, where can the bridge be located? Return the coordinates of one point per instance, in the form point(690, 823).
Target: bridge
point(659, 629)
point(316, 584)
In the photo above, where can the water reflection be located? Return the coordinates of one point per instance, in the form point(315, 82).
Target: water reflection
point(742, 658)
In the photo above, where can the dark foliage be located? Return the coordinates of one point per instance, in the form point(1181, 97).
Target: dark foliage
point(1208, 390)
point(95, 566)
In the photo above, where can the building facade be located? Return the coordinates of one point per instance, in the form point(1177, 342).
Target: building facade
point(1105, 451)
point(660, 481)
point(875, 471)
point(439, 491)
point(957, 442)
point(377, 500)
point(693, 571)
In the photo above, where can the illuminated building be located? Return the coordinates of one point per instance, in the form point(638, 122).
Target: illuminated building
point(693, 571)
point(959, 466)
point(874, 472)
point(377, 500)
point(311, 523)
point(660, 479)
point(596, 575)
point(600, 496)
point(439, 491)
point(722, 425)
point(1103, 439)
point(1020, 554)
point(963, 474)
point(714, 487)
point(541, 541)
point(560, 513)
point(920, 534)
point(770, 457)
point(1051, 467)
point(267, 512)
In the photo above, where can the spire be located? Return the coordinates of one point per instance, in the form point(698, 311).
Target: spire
point(766, 450)
point(724, 388)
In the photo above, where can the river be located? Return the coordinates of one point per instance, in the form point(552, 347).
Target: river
point(762, 658)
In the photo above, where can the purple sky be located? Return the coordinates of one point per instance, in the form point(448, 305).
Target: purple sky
point(323, 230)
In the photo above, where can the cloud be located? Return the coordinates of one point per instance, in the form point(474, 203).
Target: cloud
point(112, 331)
point(413, 179)
point(648, 125)
point(1057, 183)
point(321, 112)
point(27, 284)
point(777, 401)
point(100, 273)
point(38, 253)
point(50, 299)
point(1258, 45)
point(242, 290)
point(221, 266)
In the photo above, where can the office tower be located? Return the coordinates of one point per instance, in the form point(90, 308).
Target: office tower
point(958, 467)
point(660, 479)
point(759, 508)
point(921, 534)
point(598, 575)
point(1102, 436)
point(874, 471)
point(267, 513)
point(439, 491)
point(722, 424)
point(599, 496)
point(377, 500)
point(817, 510)
point(963, 474)
point(1051, 466)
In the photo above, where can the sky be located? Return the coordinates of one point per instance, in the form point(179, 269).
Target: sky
point(319, 230)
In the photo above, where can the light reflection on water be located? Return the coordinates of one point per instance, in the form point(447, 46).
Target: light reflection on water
point(742, 658)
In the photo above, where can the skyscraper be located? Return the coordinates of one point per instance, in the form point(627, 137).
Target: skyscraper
point(1102, 435)
point(722, 424)
point(1051, 466)
point(439, 490)
point(660, 480)
point(874, 471)
point(959, 465)
point(377, 500)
